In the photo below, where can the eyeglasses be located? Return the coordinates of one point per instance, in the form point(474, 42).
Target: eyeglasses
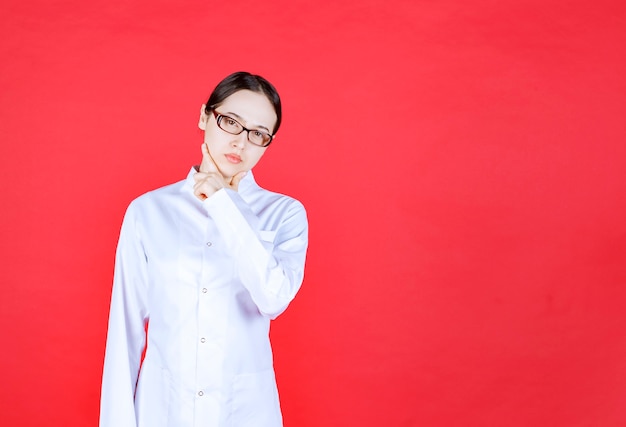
point(232, 126)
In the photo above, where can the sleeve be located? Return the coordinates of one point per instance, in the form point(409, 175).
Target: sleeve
point(126, 335)
point(270, 265)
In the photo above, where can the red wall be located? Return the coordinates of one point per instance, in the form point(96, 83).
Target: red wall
point(463, 165)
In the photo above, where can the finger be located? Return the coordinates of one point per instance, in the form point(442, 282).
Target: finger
point(214, 179)
point(199, 176)
point(202, 190)
point(208, 164)
point(199, 193)
point(234, 183)
point(206, 184)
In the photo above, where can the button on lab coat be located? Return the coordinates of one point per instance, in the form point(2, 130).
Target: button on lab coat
point(204, 278)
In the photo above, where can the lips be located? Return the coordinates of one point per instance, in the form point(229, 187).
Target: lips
point(233, 158)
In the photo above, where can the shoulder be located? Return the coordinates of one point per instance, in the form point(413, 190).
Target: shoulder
point(266, 199)
point(156, 197)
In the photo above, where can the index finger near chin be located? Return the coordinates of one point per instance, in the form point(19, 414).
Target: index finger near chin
point(207, 165)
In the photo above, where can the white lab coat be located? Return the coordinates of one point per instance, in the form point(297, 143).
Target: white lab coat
point(206, 277)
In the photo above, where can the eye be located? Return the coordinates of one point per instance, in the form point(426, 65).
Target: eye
point(230, 122)
point(259, 137)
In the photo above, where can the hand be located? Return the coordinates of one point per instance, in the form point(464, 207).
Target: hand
point(210, 179)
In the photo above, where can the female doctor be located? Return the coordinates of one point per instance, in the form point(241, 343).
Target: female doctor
point(202, 266)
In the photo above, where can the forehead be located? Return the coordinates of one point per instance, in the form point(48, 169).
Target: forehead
point(253, 107)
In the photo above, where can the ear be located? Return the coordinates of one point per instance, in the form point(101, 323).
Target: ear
point(204, 117)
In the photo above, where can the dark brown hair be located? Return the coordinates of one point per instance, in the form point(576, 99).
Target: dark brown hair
point(243, 80)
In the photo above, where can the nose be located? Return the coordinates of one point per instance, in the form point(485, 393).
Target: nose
point(240, 140)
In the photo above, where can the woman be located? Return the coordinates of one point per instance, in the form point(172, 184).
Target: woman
point(201, 267)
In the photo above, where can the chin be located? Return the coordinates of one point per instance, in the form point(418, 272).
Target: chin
point(230, 170)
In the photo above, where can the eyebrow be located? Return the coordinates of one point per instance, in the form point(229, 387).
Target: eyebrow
point(230, 113)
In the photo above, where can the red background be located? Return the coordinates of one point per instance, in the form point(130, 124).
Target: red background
point(462, 164)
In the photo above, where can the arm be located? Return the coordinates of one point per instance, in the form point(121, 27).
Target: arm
point(272, 271)
point(126, 334)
